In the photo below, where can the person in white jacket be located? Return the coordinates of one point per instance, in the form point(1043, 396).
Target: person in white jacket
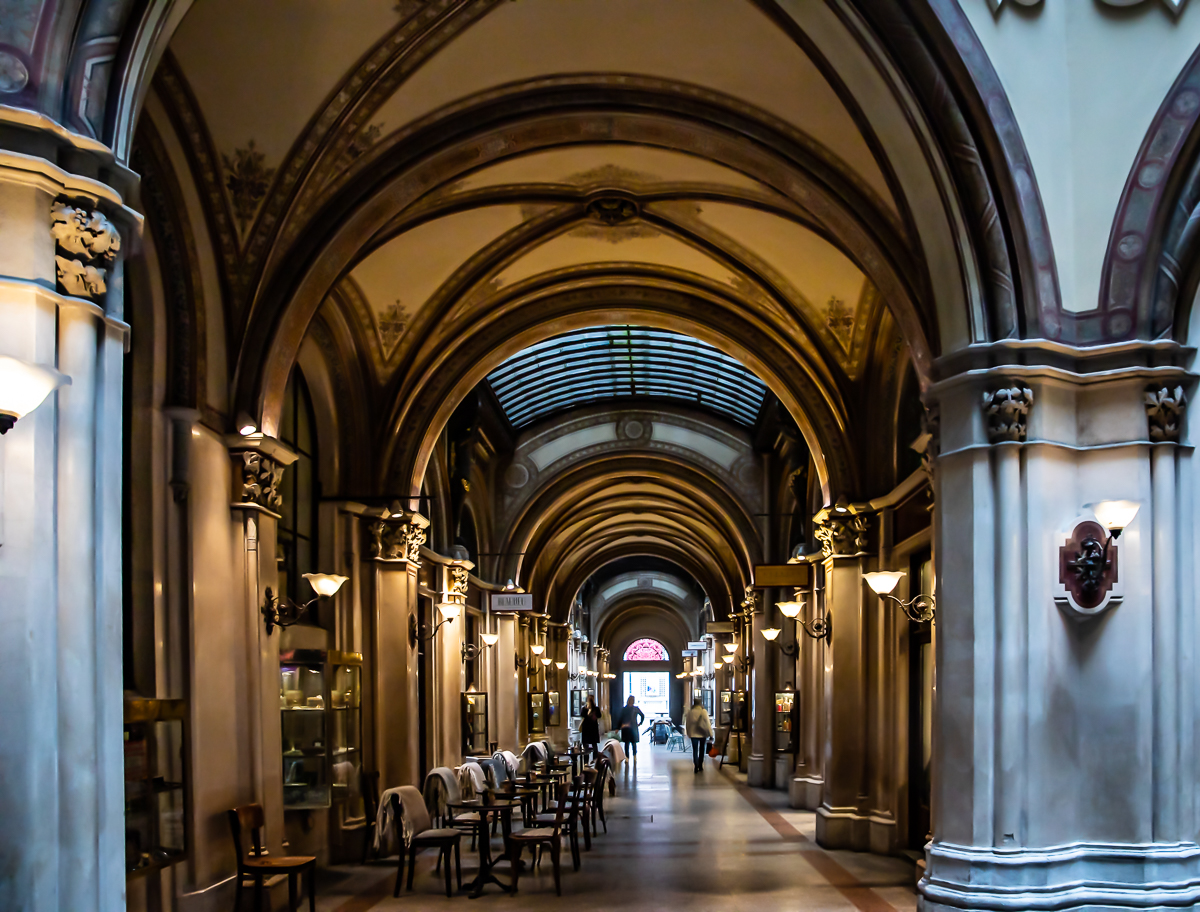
point(699, 729)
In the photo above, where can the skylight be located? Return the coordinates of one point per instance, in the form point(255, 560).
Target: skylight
point(625, 363)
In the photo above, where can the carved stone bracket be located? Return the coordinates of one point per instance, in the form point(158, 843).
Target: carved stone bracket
point(459, 580)
point(261, 477)
point(85, 245)
point(750, 601)
point(1006, 411)
point(398, 536)
point(1164, 412)
point(841, 535)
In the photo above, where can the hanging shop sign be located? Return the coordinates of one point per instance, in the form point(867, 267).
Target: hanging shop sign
point(700, 645)
point(512, 601)
point(768, 576)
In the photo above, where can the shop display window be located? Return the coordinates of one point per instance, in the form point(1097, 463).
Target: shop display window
point(345, 712)
point(785, 721)
point(475, 723)
point(536, 715)
point(155, 784)
point(302, 696)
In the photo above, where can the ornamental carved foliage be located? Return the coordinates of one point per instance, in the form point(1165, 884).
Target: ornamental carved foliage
point(85, 246)
point(458, 581)
point(261, 477)
point(842, 536)
point(1006, 411)
point(395, 540)
point(1164, 412)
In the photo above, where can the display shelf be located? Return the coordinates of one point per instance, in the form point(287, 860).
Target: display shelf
point(155, 741)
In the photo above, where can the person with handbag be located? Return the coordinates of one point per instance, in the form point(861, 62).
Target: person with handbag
point(630, 722)
point(699, 728)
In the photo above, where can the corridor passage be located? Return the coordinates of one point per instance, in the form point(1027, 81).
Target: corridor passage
point(675, 840)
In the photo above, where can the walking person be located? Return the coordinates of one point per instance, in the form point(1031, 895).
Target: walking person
point(589, 730)
point(630, 722)
point(699, 728)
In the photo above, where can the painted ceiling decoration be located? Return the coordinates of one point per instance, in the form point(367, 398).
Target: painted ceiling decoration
point(624, 363)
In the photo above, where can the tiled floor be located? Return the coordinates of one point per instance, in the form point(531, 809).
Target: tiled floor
point(675, 840)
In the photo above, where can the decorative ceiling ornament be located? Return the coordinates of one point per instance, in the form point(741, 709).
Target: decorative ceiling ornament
point(612, 209)
point(247, 179)
point(1173, 5)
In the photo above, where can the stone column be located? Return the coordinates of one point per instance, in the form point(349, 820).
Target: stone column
point(505, 699)
point(60, 528)
point(558, 640)
point(393, 549)
point(760, 770)
point(843, 819)
point(807, 785)
point(448, 672)
point(1064, 744)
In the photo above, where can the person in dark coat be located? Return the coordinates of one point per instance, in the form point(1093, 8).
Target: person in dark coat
point(589, 729)
point(629, 723)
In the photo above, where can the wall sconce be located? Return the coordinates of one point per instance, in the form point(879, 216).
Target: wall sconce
point(284, 612)
point(772, 634)
point(537, 649)
point(731, 648)
point(1088, 561)
point(919, 608)
point(449, 612)
point(473, 650)
point(23, 387)
point(818, 627)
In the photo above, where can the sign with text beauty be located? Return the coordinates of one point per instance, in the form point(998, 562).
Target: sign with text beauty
point(512, 601)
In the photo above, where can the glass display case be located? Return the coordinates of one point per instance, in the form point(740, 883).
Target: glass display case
point(155, 784)
point(725, 714)
point(576, 703)
point(706, 696)
point(739, 710)
point(345, 713)
point(552, 715)
point(536, 713)
point(474, 723)
point(786, 729)
point(304, 729)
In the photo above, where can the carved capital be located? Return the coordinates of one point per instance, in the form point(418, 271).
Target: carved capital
point(85, 245)
point(1164, 412)
point(459, 579)
point(841, 535)
point(261, 477)
point(398, 536)
point(1006, 412)
point(750, 601)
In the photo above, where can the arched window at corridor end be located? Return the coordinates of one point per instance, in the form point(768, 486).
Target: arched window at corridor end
point(646, 650)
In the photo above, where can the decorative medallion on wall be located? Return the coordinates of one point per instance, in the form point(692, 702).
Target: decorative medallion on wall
point(1006, 411)
point(1164, 412)
point(261, 477)
point(1087, 572)
point(85, 246)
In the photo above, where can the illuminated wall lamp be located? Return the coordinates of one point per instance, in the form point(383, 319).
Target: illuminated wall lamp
point(284, 612)
point(449, 611)
point(731, 648)
point(920, 607)
point(772, 635)
point(473, 650)
point(23, 387)
point(1088, 568)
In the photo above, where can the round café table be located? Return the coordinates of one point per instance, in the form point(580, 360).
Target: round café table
point(503, 810)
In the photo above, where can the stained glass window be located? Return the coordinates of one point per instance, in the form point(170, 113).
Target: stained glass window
point(646, 650)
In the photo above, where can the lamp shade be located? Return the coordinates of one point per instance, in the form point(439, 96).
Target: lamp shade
point(770, 632)
point(560, 665)
point(325, 584)
point(731, 648)
point(450, 610)
point(883, 581)
point(546, 661)
point(489, 639)
point(790, 609)
point(718, 665)
point(23, 386)
point(537, 649)
point(1115, 515)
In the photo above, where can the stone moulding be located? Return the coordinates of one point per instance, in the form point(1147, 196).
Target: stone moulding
point(1074, 876)
point(1006, 411)
point(1164, 412)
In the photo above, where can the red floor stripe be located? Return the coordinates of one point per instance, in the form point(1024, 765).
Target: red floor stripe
point(863, 897)
point(370, 897)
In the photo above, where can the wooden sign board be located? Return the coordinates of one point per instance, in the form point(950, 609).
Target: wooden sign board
point(512, 601)
point(769, 576)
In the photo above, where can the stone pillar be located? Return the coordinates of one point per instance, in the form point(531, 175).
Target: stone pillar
point(760, 770)
point(393, 549)
point(505, 699)
point(807, 785)
point(60, 530)
point(448, 665)
point(558, 640)
point(1064, 743)
point(843, 819)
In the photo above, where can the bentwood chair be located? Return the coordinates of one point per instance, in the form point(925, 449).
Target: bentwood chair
point(576, 817)
point(408, 807)
point(258, 866)
point(537, 838)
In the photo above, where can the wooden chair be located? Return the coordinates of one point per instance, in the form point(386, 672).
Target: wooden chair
point(576, 817)
point(408, 805)
point(595, 799)
point(368, 784)
point(259, 865)
point(538, 837)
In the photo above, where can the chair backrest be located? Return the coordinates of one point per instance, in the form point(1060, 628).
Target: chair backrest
point(602, 766)
point(249, 817)
point(412, 806)
point(368, 784)
point(440, 789)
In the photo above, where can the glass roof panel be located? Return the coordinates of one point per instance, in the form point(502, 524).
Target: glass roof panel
point(624, 362)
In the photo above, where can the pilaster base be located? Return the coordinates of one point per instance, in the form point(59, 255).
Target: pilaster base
point(843, 828)
point(805, 792)
point(784, 764)
point(756, 771)
point(1096, 877)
